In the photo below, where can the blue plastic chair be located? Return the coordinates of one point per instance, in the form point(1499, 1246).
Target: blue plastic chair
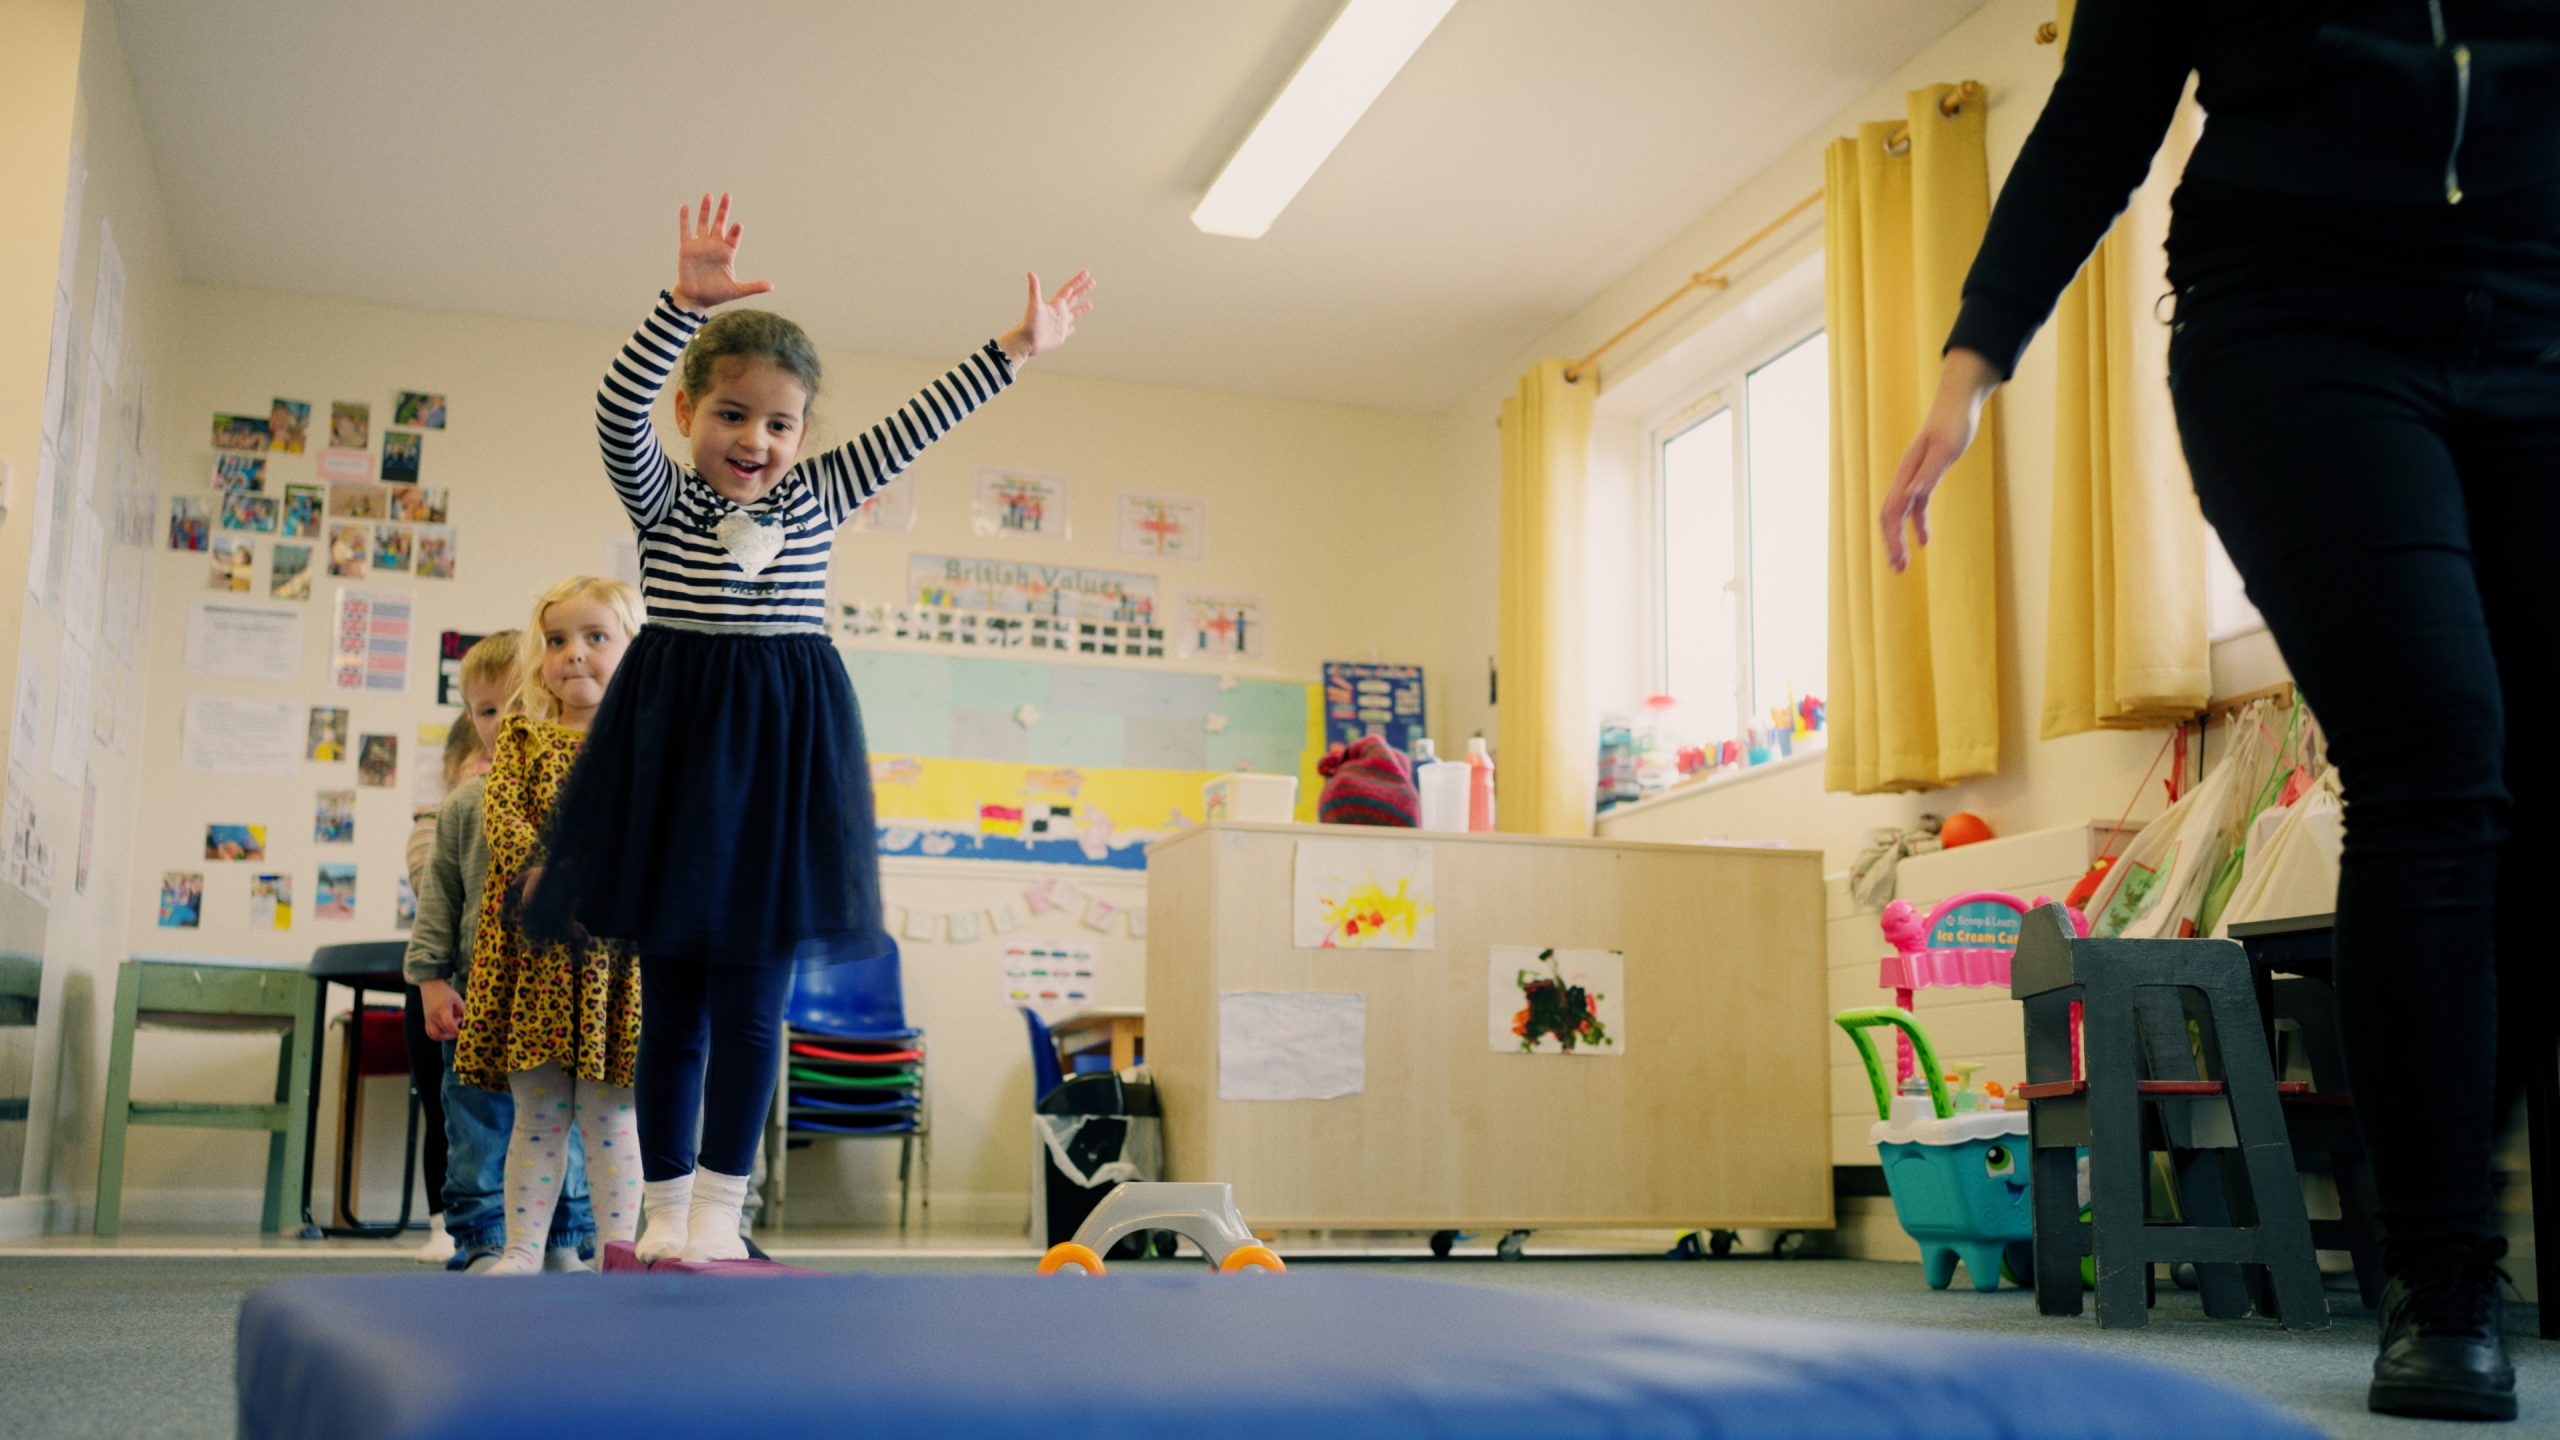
point(1045, 1076)
point(862, 1001)
point(855, 1000)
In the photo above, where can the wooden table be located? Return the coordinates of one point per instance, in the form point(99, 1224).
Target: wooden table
point(1119, 1026)
point(1716, 1114)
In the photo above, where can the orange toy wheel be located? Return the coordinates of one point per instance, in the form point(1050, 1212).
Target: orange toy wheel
point(1066, 1253)
point(1250, 1257)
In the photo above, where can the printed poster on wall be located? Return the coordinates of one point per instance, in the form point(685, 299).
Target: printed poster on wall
point(1164, 527)
point(1219, 627)
point(1548, 1000)
point(1051, 978)
point(243, 640)
point(26, 860)
point(371, 650)
point(1381, 700)
point(1363, 895)
point(1013, 587)
point(1020, 504)
point(450, 648)
point(241, 737)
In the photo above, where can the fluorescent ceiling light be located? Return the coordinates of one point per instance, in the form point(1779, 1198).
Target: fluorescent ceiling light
point(1362, 50)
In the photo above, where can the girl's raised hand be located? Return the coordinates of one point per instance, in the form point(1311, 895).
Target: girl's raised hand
point(707, 258)
point(1046, 324)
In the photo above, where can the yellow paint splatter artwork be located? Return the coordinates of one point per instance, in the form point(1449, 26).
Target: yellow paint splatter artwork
point(1369, 916)
point(1363, 895)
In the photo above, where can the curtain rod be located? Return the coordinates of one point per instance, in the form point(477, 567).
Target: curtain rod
point(1712, 277)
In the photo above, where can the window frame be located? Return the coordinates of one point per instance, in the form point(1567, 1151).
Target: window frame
point(1726, 391)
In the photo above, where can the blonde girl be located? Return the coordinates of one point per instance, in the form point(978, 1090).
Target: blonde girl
point(556, 1023)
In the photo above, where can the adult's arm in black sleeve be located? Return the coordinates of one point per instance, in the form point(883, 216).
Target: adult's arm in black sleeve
point(2122, 76)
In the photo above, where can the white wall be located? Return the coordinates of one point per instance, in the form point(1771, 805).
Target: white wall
point(80, 932)
point(1293, 490)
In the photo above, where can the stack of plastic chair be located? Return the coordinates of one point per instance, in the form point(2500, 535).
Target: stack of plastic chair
point(852, 1069)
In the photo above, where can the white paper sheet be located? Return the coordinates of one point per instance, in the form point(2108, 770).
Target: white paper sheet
point(243, 737)
point(58, 367)
point(71, 712)
point(1309, 1046)
point(106, 303)
point(93, 414)
point(122, 602)
point(252, 642)
point(1363, 895)
point(29, 731)
point(40, 538)
point(82, 591)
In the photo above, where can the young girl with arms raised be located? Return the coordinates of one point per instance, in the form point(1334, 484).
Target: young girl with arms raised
point(720, 819)
point(556, 1022)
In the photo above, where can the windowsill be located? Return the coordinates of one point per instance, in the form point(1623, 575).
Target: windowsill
point(1719, 780)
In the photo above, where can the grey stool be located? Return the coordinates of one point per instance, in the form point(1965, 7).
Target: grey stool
point(2221, 1120)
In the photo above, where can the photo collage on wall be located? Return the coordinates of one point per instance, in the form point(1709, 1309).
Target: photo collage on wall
point(339, 512)
point(356, 761)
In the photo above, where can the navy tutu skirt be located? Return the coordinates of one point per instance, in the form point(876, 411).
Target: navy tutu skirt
point(721, 810)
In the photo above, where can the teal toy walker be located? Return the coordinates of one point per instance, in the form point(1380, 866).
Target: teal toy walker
point(1959, 1181)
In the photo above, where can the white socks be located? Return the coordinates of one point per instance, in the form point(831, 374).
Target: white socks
point(667, 1209)
point(439, 1245)
point(548, 1102)
point(712, 1229)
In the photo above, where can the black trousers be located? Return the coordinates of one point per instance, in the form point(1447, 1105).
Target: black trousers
point(2380, 452)
point(426, 1081)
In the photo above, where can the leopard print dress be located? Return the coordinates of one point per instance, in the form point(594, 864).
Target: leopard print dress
point(531, 1005)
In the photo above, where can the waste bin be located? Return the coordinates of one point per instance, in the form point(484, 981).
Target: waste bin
point(1093, 1132)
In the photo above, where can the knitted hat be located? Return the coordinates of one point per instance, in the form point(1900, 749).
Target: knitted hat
point(1367, 783)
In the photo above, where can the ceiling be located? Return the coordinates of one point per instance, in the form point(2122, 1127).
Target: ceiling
point(899, 165)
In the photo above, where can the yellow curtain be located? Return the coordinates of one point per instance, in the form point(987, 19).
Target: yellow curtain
point(1915, 658)
point(1543, 785)
point(2125, 638)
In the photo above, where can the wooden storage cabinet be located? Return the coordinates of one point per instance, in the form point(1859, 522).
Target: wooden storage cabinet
point(1715, 1115)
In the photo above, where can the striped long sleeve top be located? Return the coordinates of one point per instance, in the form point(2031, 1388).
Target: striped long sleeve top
point(699, 550)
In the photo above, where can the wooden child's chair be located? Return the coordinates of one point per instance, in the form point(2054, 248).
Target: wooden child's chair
point(2159, 1075)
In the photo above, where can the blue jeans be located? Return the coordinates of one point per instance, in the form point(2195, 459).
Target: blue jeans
point(477, 1123)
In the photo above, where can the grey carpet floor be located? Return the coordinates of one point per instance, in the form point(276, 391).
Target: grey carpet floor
point(122, 1347)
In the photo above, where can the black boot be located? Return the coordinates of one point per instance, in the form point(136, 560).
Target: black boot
point(2442, 1353)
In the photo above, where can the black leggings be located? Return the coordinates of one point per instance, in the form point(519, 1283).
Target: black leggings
point(2381, 457)
point(426, 1081)
point(710, 1052)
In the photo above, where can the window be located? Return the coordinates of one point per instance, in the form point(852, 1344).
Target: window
point(1744, 503)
